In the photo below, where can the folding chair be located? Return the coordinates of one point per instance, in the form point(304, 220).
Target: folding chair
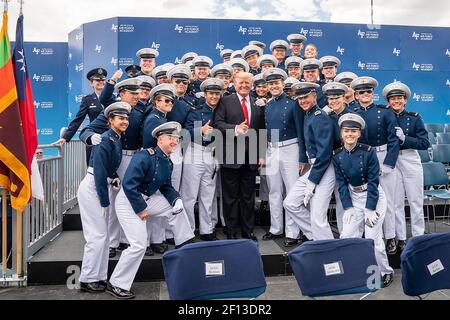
point(443, 137)
point(425, 264)
point(215, 270)
point(424, 156)
point(434, 128)
point(334, 267)
point(441, 153)
point(432, 138)
point(447, 127)
point(435, 175)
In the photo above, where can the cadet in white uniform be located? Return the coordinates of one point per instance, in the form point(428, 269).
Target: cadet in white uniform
point(94, 198)
point(317, 185)
point(357, 174)
point(150, 170)
point(200, 167)
point(413, 136)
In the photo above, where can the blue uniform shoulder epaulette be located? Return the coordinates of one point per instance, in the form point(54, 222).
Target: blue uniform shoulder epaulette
point(318, 112)
point(383, 106)
point(414, 114)
point(193, 108)
point(151, 151)
point(188, 102)
point(365, 147)
point(338, 150)
point(157, 116)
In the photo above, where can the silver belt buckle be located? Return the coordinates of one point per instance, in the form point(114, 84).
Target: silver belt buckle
point(359, 188)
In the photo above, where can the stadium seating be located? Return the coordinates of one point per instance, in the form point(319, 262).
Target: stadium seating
point(434, 128)
point(443, 138)
point(441, 153)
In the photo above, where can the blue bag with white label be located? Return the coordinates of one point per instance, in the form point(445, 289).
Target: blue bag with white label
point(335, 267)
point(214, 270)
point(425, 264)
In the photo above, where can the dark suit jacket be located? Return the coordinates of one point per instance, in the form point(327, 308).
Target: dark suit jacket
point(228, 114)
point(91, 107)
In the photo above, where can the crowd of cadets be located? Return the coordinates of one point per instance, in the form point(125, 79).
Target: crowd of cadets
point(139, 194)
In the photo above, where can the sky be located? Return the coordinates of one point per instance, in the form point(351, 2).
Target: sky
point(52, 20)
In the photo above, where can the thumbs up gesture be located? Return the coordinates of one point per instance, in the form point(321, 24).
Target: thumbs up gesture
point(207, 129)
point(242, 128)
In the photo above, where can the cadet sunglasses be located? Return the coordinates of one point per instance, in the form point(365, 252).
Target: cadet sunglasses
point(185, 82)
point(365, 91)
point(166, 101)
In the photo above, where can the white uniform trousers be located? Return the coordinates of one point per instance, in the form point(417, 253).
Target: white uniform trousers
point(177, 160)
point(136, 232)
point(388, 183)
point(352, 230)
point(319, 227)
point(198, 182)
point(282, 172)
point(94, 219)
point(115, 231)
point(157, 229)
point(409, 182)
point(339, 208)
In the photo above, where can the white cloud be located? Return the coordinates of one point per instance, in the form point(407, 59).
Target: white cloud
point(50, 20)
point(399, 12)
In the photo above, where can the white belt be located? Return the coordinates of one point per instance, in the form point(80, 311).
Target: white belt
point(202, 148)
point(90, 170)
point(129, 152)
point(282, 143)
point(381, 148)
point(358, 189)
point(408, 151)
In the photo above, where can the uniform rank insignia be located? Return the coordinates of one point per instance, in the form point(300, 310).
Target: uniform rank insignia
point(151, 151)
point(318, 112)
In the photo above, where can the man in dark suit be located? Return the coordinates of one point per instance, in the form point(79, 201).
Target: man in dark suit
point(239, 120)
point(90, 106)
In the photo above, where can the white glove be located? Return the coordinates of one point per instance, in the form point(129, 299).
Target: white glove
point(178, 207)
point(96, 139)
point(400, 134)
point(371, 218)
point(349, 214)
point(199, 95)
point(116, 184)
point(309, 192)
point(260, 102)
point(385, 170)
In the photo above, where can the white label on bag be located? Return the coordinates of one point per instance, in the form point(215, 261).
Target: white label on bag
point(332, 269)
point(214, 269)
point(435, 267)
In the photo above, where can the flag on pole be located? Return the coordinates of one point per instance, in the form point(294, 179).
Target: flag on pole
point(27, 113)
point(26, 101)
point(14, 174)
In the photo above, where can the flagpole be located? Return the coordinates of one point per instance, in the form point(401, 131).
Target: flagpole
point(5, 8)
point(21, 7)
point(4, 232)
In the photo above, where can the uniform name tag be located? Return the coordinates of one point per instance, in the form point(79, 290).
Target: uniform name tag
point(435, 267)
point(332, 269)
point(215, 268)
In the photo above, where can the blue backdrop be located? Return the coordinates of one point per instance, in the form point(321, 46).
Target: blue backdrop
point(418, 56)
point(47, 67)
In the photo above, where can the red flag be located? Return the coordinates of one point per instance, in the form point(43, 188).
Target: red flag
point(14, 174)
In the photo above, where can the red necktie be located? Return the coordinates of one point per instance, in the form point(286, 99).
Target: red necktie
point(244, 109)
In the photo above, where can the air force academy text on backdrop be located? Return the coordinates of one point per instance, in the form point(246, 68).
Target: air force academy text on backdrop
point(226, 309)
